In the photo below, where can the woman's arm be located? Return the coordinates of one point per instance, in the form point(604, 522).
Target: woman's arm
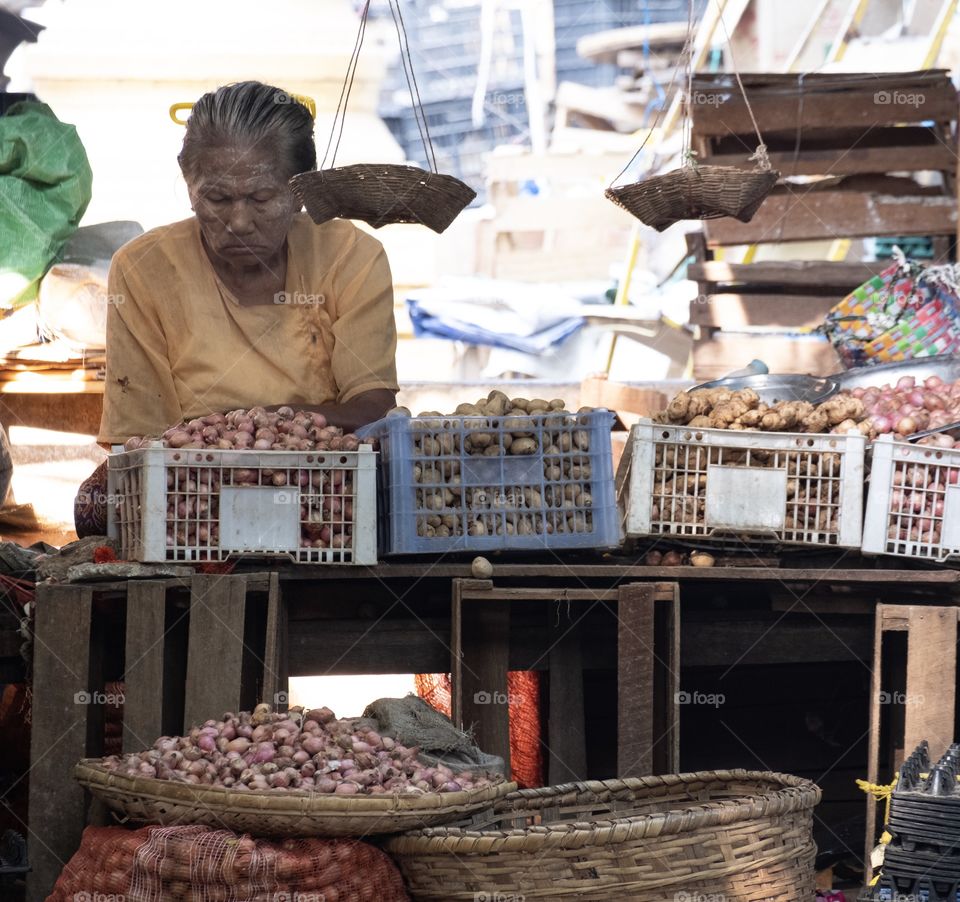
point(351, 415)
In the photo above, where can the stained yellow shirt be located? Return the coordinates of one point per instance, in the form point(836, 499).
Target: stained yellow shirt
point(179, 345)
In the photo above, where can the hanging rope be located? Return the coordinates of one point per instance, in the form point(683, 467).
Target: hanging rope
point(686, 54)
point(760, 154)
point(406, 60)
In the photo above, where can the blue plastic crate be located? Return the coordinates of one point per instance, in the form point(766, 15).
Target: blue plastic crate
point(560, 496)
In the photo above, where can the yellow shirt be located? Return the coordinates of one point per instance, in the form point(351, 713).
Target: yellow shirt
point(179, 345)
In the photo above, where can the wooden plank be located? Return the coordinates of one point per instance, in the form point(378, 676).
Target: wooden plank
point(603, 46)
point(841, 275)
point(566, 735)
point(276, 679)
point(635, 680)
point(143, 677)
point(456, 652)
point(820, 101)
point(62, 704)
point(810, 215)
point(662, 591)
point(931, 678)
point(484, 660)
point(873, 738)
point(935, 157)
point(786, 311)
point(600, 569)
point(215, 654)
point(666, 751)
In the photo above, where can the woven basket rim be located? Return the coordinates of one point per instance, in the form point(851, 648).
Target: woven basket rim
point(354, 168)
point(793, 794)
point(295, 802)
point(701, 170)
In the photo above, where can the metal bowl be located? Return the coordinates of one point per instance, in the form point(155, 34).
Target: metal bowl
point(775, 388)
point(946, 366)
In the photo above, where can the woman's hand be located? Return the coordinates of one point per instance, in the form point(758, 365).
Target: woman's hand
point(351, 415)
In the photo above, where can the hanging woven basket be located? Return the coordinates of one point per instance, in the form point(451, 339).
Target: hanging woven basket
point(382, 193)
point(695, 192)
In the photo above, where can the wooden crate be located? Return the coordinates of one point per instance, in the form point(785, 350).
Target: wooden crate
point(648, 672)
point(194, 648)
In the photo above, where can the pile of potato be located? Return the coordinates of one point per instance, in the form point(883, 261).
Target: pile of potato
point(680, 485)
point(720, 408)
point(553, 496)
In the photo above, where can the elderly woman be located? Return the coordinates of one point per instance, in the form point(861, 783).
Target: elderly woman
point(247, 302)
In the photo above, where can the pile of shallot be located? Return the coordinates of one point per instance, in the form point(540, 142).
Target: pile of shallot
point(911, 406)
point(309, 751)
point(255, 429)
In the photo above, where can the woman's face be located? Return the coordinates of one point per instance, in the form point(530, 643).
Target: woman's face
point(242, 202)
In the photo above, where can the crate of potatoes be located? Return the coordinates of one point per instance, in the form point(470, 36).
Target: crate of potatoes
point(744, 472)
point(499, 474)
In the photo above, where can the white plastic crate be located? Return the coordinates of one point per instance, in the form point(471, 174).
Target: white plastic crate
point(315, 507)
point(913, 506)
point(725, 486)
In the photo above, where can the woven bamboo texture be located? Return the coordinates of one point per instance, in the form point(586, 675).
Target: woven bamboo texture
point(737, 835)
point(695, 192)
point(289, 813)
point(382, 194)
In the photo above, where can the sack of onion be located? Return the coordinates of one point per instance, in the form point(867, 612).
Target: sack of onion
point(165, 864)
point(313, 498)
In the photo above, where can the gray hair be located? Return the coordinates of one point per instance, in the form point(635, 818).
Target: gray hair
point(249, 113)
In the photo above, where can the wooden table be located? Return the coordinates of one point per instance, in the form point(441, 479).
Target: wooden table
point(188, 649)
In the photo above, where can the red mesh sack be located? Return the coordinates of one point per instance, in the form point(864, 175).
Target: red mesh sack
point(200, 864)
point(523, 688)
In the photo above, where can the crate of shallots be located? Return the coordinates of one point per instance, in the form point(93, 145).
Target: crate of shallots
point(913, 506)
point(501, 474)
point(245, 483)
point(712, 485)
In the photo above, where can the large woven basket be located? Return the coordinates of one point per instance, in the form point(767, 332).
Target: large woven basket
point(290, 813)
point(382, 194)
point(695, 192)
point(741, 836)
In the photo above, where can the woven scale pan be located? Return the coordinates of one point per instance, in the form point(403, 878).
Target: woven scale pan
point(695, 192)
point(290, 813)
point(743, 835)
point(382, 194)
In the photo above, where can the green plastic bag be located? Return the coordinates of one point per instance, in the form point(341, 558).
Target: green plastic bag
point(45, 186)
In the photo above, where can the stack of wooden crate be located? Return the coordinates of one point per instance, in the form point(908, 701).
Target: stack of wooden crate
point(861, 156)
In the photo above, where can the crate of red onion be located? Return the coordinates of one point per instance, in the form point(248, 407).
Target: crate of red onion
point(722, 486)
point(207, 501)
point(913, 504)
